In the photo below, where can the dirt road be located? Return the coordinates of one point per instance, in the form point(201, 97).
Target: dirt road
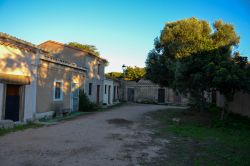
point(113, 138)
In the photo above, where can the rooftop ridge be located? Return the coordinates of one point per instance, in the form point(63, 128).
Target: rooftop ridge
point(72, 47)
point(7, 36)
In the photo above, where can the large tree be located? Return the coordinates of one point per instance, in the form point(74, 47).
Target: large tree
point(192, 57)
point(116, 75)
point(134, 73)
point(130, 73)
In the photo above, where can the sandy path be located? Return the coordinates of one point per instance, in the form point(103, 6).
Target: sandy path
point(97, 139)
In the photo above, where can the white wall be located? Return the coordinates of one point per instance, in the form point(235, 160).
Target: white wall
point(30, 101)
point(15, 61)
point(19, 62)
point(1, 99)
point(31, 92)
point(105, 96)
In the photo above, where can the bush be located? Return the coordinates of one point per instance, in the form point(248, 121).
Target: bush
point(146, 101)
point(214, 109)
point(197, 104)
point(85, 105)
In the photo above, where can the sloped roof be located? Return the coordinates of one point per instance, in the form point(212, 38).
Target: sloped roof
point(9, 40)
point(144, 81)
point(13, 41)
point(71, 47)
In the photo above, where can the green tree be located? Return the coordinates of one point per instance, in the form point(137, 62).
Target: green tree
point(134, 73)
point(191, 57)
point(116, 75)
point(88, 48)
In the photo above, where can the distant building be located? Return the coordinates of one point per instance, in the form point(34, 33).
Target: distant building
point(110, 91)
point(148, 92)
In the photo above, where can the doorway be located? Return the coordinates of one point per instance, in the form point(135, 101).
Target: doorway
point(98, 94)
point(131, 93)
point(161, 95)
point(75, 96)
point(109, 89)
point(114, 96)
point(12, 102)
point(214, 99)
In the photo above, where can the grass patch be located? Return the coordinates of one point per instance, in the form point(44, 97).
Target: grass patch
point(210, 141)
point(19, 128)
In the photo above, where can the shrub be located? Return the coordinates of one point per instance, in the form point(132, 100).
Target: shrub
point(146, 101)
point(198, 104)
point(85, 105)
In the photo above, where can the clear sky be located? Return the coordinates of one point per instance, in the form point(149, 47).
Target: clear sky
point(122, 30)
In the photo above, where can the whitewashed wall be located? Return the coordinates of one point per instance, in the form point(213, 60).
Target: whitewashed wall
point(15, 61)
point(105, 96)
point(30, 101)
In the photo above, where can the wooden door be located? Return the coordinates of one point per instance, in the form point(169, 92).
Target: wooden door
point(161, 95)
point(109, 89)
point(75, 96)
point(131, 93)
point(114, 98)
point(98, 94)
point(12, 102)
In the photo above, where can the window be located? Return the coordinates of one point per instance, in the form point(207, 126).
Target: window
point(98, 68)
point(90, 88)
point(105, 89)
point(58, 90)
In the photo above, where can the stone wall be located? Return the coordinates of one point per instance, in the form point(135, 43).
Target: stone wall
point(146, 91)
point(83, 59)
point(49, 72)
point(239, 105)
point(109, 84)
point(19, 62)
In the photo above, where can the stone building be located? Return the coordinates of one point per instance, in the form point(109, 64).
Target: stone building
point(111, 91)
point(146, 91)
point(36, 81)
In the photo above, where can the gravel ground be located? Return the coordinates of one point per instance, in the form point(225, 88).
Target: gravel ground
point(113, 138)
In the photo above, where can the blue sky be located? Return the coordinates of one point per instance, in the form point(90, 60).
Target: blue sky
point(122, 30)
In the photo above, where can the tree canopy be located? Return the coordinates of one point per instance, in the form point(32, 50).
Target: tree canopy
point(131, 73)
point(116, 75)
point(134, 73)
point(85, 47)
point(192, 57)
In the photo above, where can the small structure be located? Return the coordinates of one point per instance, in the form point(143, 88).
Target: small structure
point(110, 91)
point(146, 91)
